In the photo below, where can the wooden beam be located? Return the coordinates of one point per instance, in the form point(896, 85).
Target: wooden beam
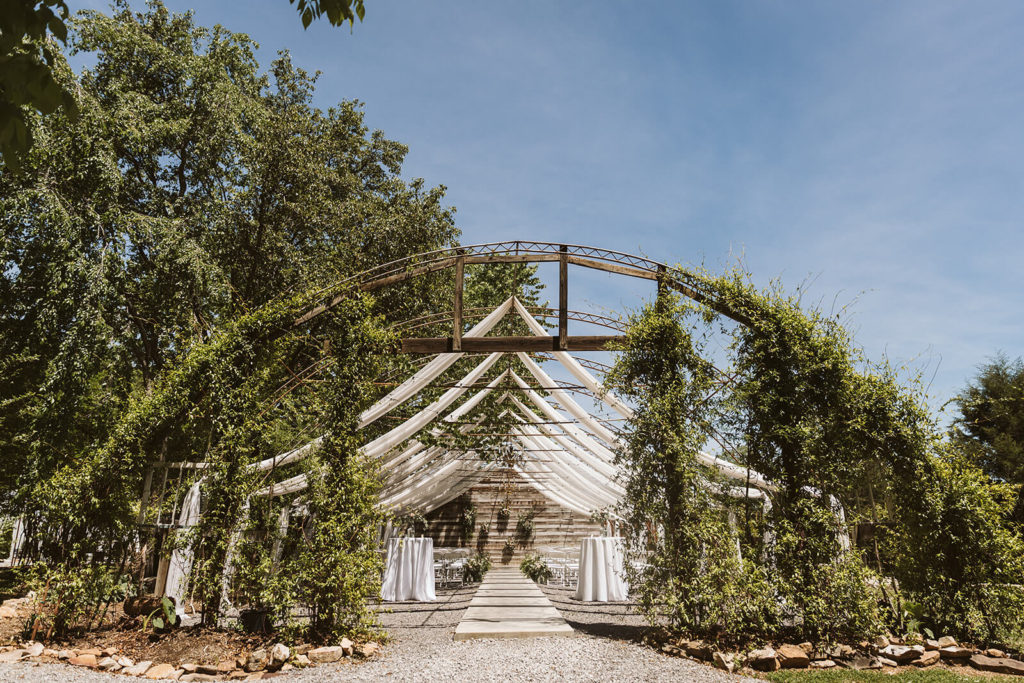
point(510, 344)
point(563, 297)
point(612, 268)
point(460, 271)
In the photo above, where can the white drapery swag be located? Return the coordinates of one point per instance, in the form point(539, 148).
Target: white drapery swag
point(181, 558)
point(582, 452)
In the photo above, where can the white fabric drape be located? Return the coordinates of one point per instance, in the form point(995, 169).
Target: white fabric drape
point(181, 558)
point(409, 574)
point(601, 576)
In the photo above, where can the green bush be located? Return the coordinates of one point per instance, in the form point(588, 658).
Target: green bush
point(475, 568)
point(72, 599)
point(535, 568)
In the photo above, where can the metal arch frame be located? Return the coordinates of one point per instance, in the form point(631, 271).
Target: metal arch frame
point(520, 251)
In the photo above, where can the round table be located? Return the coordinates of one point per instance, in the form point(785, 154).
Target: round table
point(409, 574)
point(601, 578)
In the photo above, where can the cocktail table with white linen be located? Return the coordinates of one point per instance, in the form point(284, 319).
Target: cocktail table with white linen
point(409, 574)
point(601, 578)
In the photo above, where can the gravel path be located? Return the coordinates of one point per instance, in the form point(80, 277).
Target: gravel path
point(422, 649)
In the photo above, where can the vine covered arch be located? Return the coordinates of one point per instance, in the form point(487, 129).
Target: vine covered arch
point(814, 423)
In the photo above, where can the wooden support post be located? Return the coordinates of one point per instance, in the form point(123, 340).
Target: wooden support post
point(662, 289)
point(460, 271)
point(563, 298)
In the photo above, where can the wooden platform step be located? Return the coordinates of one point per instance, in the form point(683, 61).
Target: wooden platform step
point(509, 605)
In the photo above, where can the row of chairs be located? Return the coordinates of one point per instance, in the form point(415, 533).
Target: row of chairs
point(450, 565)
point(564, 564)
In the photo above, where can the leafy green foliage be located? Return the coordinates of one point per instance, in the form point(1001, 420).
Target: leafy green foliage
point(27, 62)
point(827, 427)
point(534, 567)
point(162, 245)
point(991, 423)
point(70, 598)
point(476, 567)
point(336, 11)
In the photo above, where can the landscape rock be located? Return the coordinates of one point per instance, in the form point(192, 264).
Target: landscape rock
point(930, 644)
point(325, 655)
point(95, 652)
point(823, 664)
point(807, 647)
point(763, 660)
point(8, 612)
point(724, 661)
point(198, 677)
point(190, 667)
point(947, 641)
point(928, 658)
point(842, 651)
point(160, 671)
point(368, 649)
point(670, 649)
point(139, 668)
point(238, 675)
point(88, 660)
point(302, 648)
point(901, 653)
point(226, 666)
point(279, 654)
point(109, 664)
point(346, 646)
point(698, 649)
point(65, 654)
point(862, 662)
point(256, 660)
point(302, 661)
point(11, 656)
point(993, 652)
point(125, 661)
point(999, 665)
point(34, 649)
point(955, 652)
point(792, 657)
point(881, 642)
point(888, 662)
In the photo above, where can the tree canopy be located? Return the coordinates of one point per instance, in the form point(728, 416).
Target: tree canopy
point(991, 422)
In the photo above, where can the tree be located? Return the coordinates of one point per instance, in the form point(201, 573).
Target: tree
point(27, 58)
point(991, 422)
point(337, 11)
point(27, 61)
point(193, 187)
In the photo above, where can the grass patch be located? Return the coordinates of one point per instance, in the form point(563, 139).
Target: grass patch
point(838, 675)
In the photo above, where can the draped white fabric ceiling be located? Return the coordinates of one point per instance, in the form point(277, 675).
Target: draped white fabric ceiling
point(567, 453)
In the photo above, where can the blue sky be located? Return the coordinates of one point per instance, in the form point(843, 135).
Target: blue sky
point(871, 150)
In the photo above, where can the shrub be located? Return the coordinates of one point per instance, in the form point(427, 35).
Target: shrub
point(476, 567)
point(535, 568)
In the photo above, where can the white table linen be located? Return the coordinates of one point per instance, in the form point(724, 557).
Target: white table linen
point(409, 573)
point(601, 578)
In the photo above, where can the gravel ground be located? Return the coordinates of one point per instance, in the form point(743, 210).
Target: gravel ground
point(422, 649)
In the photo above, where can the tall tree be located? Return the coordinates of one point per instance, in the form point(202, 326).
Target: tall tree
point(991, 422)
point(192, 187)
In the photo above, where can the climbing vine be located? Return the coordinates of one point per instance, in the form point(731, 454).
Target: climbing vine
point(843, 441)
